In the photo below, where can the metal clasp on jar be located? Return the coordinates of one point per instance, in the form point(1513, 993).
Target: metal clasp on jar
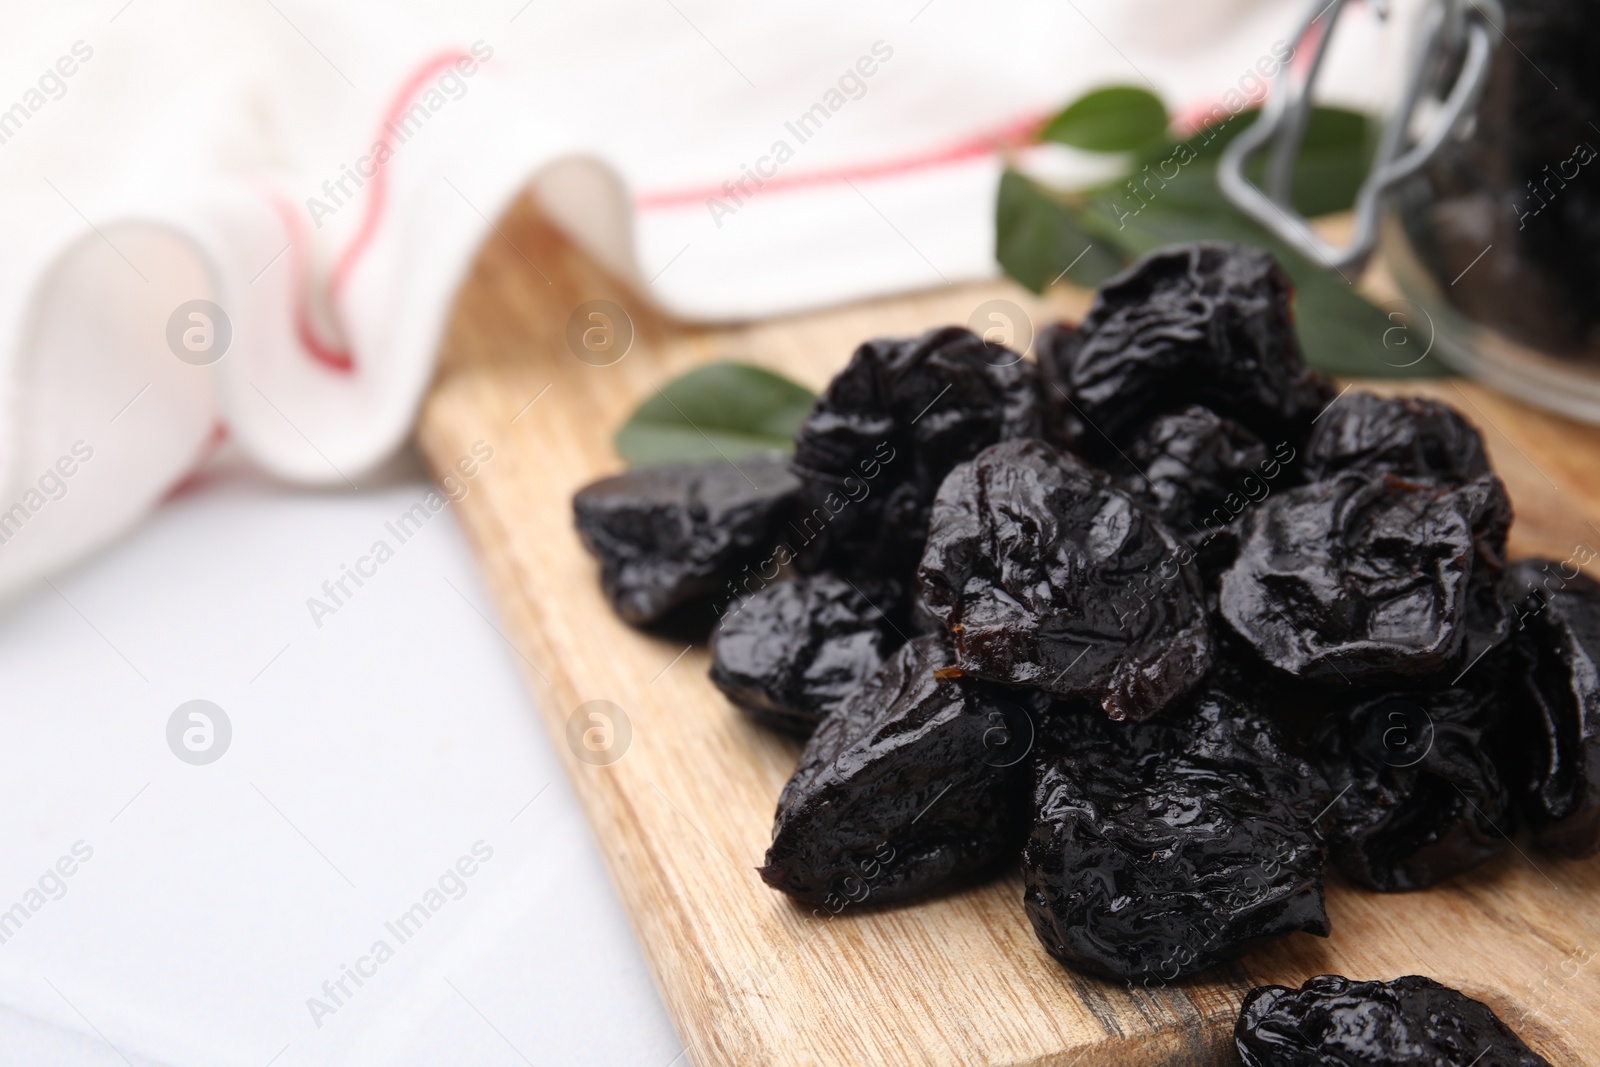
point(1460, 34)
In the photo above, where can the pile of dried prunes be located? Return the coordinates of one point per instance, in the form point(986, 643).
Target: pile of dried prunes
point(1162, 613)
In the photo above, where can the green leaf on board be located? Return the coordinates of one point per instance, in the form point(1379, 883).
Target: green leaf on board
point(1119, 118)
point(1038, 241)
point(720, 411)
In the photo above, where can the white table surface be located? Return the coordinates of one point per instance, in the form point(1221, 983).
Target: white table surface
point(367, 756)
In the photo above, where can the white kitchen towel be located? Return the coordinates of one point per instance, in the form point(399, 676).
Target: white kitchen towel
point(249, 219)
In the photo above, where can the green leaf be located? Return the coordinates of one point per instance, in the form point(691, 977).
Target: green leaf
point(1120, 118)
point(720, 411)
point(1038, 241)
point(1170, 195)
point(1333, 161)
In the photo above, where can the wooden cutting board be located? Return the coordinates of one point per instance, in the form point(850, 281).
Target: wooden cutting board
point(683, 813)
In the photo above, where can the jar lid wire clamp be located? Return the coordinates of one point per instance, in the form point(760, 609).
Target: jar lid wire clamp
point(1450, 28)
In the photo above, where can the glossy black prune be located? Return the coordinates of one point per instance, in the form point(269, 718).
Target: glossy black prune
point(1406, 435)
point(1296, 706)
point(1199, 472)
point(1048, 576)
point(1056, 349)
point(1420, 798)
point(671, 534)
point(1361, 576)
point(792, 651)
point(1162, 848)
point(918, 778)
point(1413, 1021)
point(1555, 729)
point(886, 431)
point(1188, 460)
point(1485, 621)
point(1204, 323)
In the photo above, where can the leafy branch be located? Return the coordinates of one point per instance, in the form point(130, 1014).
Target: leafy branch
point(1168, 193)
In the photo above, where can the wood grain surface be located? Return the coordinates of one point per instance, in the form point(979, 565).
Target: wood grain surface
point(684, 815)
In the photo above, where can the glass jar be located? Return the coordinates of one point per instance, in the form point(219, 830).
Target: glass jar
point(1497, 239)
point(1484, 192)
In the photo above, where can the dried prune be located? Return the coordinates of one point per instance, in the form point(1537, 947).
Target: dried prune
point(793, 650)
point(1360, 576)
point(1048, 576)
point(1296, 706)
point(1204, 323)
point(1056, 350)
point(887, 430)
point(1419, 796)
point(1162, 848)
point(1409, 435)
point(671, 534)
point(1413, 1021)
point(1199, 472)
point(917, 778)
point(1555, 732)
point(1486, 620)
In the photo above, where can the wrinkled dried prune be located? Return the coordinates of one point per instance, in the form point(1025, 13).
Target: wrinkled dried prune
point(1485, 621)
point(1162, 848)
point(1360, 576)
point(1204, 323)
point(1048, 576)
point(1056, 349)
point(1190, 460)
point(1199, 472)
point(1408, 435)
point(1555, 730)
point(1412, 1021)
point(886, 431)
point(1296, 706)
point(671, 534)
point(794, 650)
point(917, 778)
point(1420, 799)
